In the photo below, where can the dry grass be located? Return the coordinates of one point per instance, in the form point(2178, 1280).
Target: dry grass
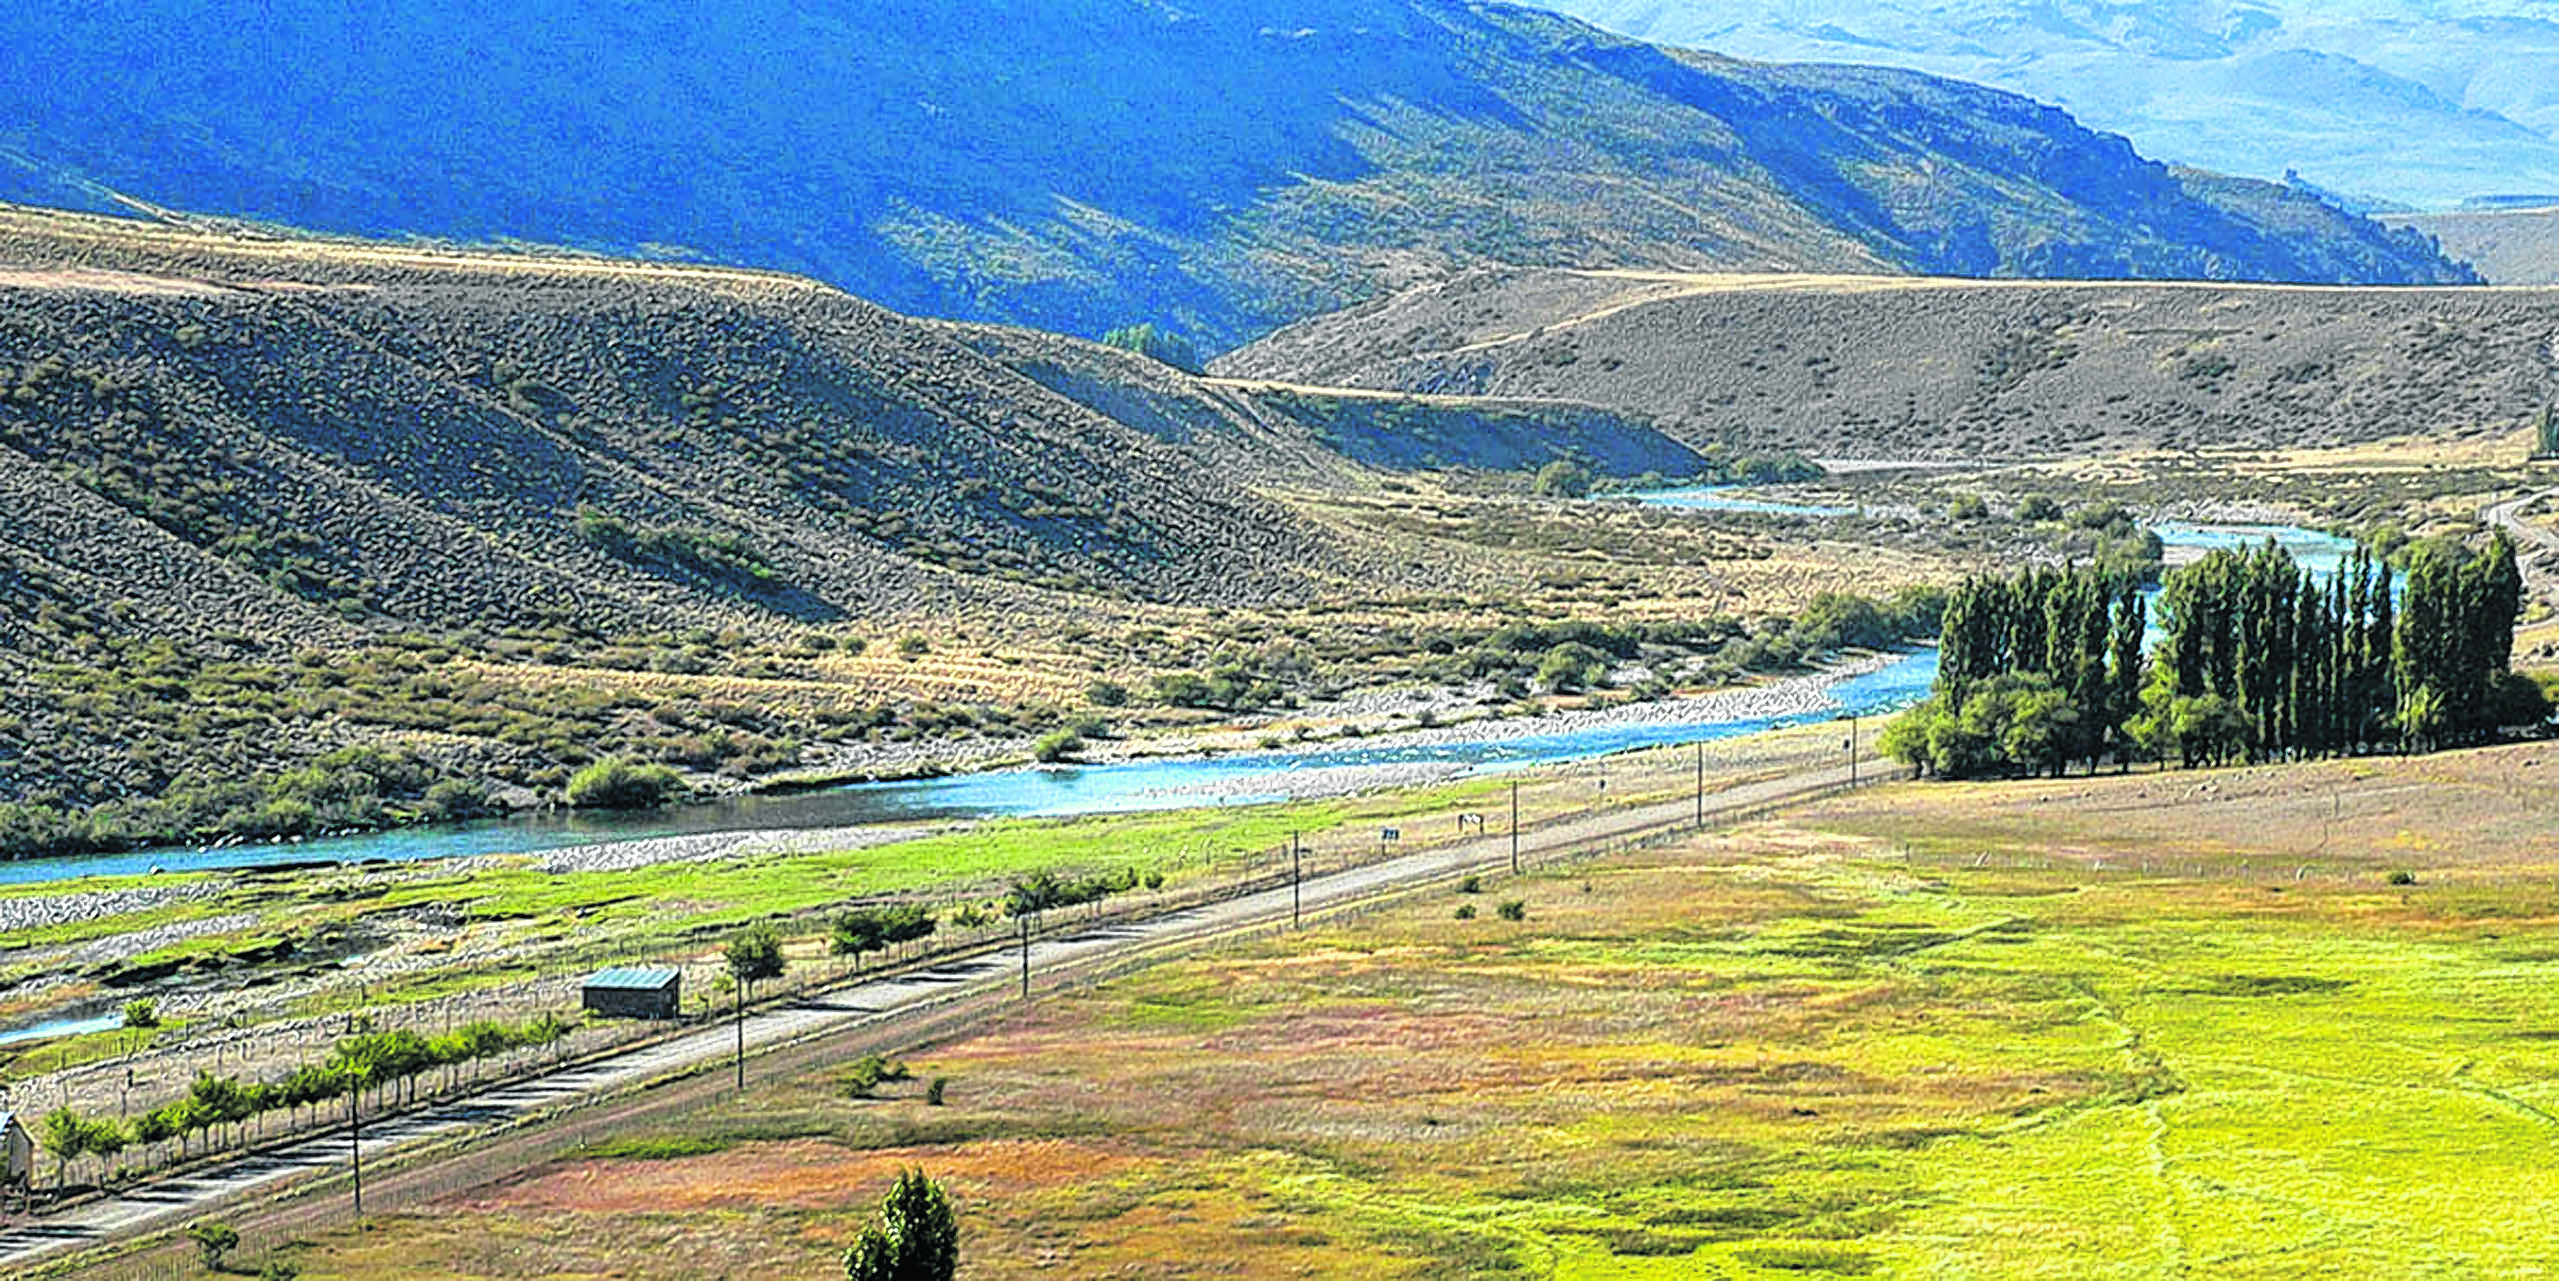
point(1793, 1051)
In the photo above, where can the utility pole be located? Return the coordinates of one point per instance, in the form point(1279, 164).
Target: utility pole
point(1852, 751)
point(355, 1145)
point(1025, 923)
point(1296, 883)
point(741, 1036)
point(1701, 787)
point(1514, 827)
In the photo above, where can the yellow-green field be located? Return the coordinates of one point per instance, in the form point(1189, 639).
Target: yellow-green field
point(1921, 1032)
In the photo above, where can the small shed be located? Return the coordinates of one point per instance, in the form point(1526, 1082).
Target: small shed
point(17, 1152)
point(635, 992)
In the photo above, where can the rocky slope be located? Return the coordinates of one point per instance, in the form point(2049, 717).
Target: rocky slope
point(1878, 367)
point(1079, 164)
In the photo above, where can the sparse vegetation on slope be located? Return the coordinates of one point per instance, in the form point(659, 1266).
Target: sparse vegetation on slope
point(1850, 368)
point(499, 520)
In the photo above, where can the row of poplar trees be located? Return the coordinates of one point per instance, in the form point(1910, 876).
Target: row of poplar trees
point(2259, 659)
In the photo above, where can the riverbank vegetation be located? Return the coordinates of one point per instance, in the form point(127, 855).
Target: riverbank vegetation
point(470, 727)
point(2259, 659)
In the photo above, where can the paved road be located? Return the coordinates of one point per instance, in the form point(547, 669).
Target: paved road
point(879, 1002)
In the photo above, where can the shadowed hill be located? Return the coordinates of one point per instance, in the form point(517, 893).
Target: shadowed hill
point(1887, 367)
point(1080, 164)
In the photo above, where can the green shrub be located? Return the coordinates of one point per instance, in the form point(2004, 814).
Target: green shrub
point(623, 784)
point(1157, 344)
point(869, 1072)
point(1059, 745)
point(1466, 911)
point(1562, 479)
point(1514, 910)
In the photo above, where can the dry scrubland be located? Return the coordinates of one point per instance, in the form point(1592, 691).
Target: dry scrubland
point(2156, 1025)
point(2513, 247)
point(506, 514)
point(1894, 367)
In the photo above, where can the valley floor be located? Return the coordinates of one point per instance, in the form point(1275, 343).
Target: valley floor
point(2149, 1025)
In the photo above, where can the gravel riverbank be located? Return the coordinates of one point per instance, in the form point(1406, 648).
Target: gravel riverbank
point(1794, 696)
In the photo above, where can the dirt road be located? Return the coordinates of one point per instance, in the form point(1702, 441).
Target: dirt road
point(2537, 545)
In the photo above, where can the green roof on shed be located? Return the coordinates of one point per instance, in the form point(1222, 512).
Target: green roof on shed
point(644, 978)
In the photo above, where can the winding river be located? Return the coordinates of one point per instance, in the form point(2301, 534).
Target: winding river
point(1243, 778)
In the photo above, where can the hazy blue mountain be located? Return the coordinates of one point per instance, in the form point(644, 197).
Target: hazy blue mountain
point(1078, 164)
point(2423, 102)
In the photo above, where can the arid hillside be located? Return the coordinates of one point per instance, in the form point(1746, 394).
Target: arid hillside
point(292, 436)
point(268, 498)
point(2506, 246)
point(1886, 367)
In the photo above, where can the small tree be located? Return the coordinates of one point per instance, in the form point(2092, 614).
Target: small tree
point(915, 1238)
point(754, 954)
point(141, 1012)
point(1057, 746)
point(213, 1240)
point(858, 932)
point(65, 1134)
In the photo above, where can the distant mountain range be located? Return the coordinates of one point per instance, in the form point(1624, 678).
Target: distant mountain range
point(1080, 164)
point(2425, 103)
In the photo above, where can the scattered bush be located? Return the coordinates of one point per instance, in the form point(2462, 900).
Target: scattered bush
point(1059, 745)
point(869, 1072)
point(2402, 876)
point(1473, 884)
point(213, 1239)
point(1466, 911)
point(709, 554)
point(1562, 479)
point(1514, 910)
point(623, 784)
point(1155, 343)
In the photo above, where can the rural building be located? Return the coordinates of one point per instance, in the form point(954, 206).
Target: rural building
point(17, 1152)
point(635, 992)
